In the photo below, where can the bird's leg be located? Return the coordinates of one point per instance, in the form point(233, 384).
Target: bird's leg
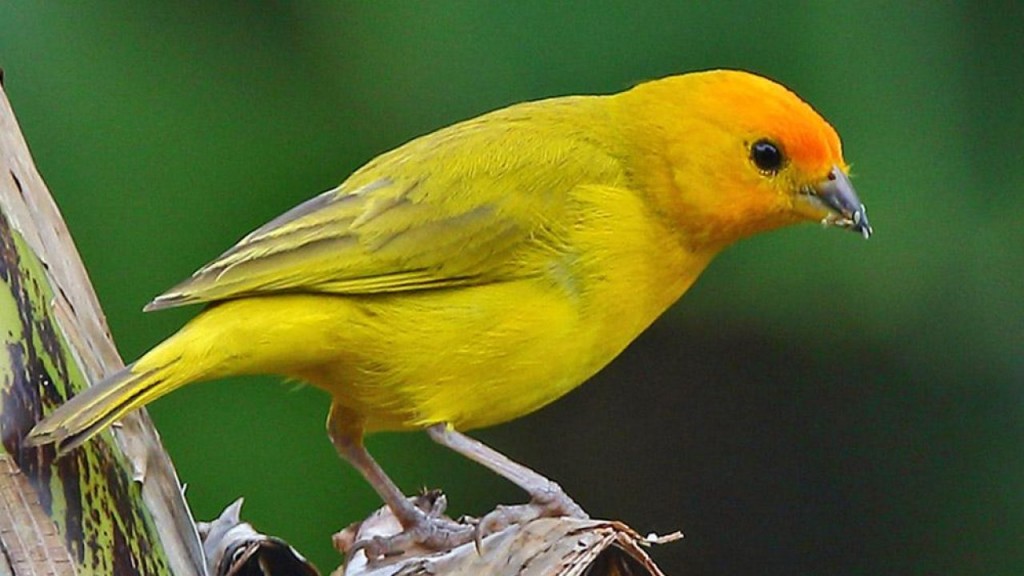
point(419, 527)
point(547, 498)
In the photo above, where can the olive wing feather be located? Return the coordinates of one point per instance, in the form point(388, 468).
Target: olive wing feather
point(434, 213)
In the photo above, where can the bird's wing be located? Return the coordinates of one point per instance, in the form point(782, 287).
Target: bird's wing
point(461, 206)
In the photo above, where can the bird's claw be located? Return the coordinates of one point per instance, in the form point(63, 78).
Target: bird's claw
point(553, 502)
point(430, 530)
point(504, 516)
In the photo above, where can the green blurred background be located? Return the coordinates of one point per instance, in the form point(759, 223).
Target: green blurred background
point(816, 404)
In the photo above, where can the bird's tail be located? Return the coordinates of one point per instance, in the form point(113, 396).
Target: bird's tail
point(92, 410)
point(195, 353)
point(239, 337)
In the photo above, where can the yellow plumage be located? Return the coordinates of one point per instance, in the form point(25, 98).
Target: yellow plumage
point(482, 271)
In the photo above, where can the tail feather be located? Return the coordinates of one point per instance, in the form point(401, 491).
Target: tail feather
point(212, 345)
point(91, 411)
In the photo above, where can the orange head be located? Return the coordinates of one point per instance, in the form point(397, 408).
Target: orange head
point(730, 154)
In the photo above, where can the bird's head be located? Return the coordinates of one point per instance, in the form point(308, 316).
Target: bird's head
point(735, 154)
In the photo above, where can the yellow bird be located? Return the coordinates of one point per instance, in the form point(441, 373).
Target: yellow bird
point(475, 274)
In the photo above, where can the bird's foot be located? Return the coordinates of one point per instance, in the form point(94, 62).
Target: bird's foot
point(429, 530)
point(381, 536)
point(433, 534)
point(553, 503)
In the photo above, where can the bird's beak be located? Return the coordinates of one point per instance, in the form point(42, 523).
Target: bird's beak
point(837, 196)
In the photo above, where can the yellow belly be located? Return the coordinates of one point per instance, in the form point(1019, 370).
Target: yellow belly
point(475, 357)
point(472, 357)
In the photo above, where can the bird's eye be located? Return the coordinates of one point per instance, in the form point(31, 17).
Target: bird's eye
point(766, 156)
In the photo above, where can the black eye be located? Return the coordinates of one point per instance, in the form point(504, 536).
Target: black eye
point(766, 156)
